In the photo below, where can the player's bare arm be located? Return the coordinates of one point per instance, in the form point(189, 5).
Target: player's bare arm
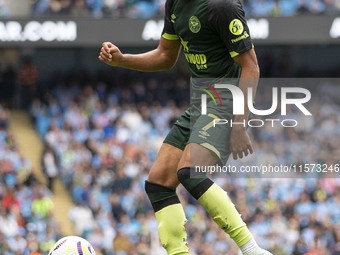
point(164, 57)
point(239, 141)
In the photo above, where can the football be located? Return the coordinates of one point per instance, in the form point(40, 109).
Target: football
point(72, 245)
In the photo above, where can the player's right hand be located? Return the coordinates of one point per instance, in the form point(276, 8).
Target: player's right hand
point(110, 54)
point(240, 142)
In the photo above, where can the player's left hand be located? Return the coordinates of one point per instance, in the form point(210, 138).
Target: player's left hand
point(110, 54)
point(240, 142)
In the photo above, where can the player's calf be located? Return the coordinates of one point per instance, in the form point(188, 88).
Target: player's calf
point(217, 203)
point(170, 217)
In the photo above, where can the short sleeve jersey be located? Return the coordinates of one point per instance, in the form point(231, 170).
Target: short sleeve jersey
point(211, 32)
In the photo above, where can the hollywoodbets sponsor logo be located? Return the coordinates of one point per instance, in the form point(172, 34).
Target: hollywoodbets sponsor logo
point(244, 36)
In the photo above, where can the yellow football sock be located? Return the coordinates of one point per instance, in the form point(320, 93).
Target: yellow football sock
point(218, 204)
point(171, 220)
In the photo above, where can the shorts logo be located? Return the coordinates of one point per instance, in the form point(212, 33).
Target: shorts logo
point(236, 27)
point(203, 134)
point(194, 24)
point(173, 17)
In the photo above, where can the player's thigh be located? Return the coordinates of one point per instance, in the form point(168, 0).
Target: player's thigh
point(164, 170)
point(208, 143)
point(196, 155)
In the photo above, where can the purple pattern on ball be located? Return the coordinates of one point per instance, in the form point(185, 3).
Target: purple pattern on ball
point(80, 251)
point(58, 246)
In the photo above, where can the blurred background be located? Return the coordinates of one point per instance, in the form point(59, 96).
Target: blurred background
point(78, 138)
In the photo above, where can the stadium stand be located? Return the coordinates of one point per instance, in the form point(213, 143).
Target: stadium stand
point(91, 126)
point(27, 223)
point(147, 9)
point(155, 8)
point(104, 162)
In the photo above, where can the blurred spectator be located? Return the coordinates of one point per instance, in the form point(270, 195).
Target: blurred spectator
point(276, 10)
point(50, 166)
point(96, 7)
point(113, 8)
point(122, 243)
point(144, 9)
point(42, 205)
point(330, 7)
point(18, 244)
point(288, 7)
point(28, 78)
point(7, 85)
point(303, 8)
point(4, 11)
point(39, 7)
point(9, 200)
point(317, 6)
point(4, 116)
point(90, 98)
point(262, 8)
point(58, 8)
point(82, 218)
point(8, 225)
point(80, 9)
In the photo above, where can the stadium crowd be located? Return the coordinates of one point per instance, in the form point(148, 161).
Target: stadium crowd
point(27, 224)
point(155, 8)
point(106, 135)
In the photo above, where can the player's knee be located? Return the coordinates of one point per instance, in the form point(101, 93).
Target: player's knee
point(196, 183)
point(156, 178)
point(183, 174)
point(164, 176)
point(188, 173)
point(160, 196)
point(164, 181)
point(152, 187)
